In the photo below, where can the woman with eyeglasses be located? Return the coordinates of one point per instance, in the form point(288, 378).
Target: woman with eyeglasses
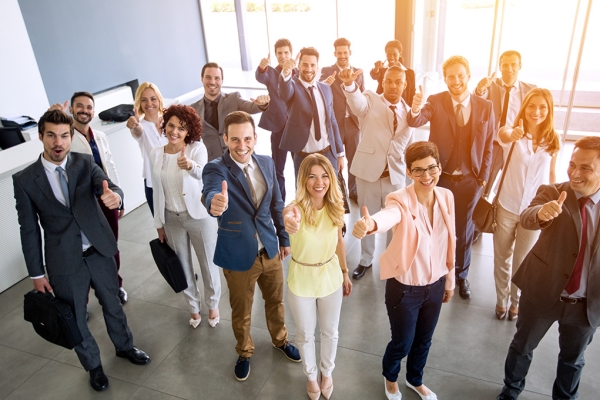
point(418, 265)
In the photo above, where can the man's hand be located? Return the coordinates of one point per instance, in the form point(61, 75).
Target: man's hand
point(517, 132)
point(551, 209)
point(349, 77)
point(284, 252)
point(341, 163)
point(289, 65)
point(133, 123)
point(291, 221)
point(110, 199)
point(162, 236)
point(265, 62)
point(484, 84)
point(378, 66)
point(62, 107)
point(363, 225)
point(183, 162)
point(261, 100)
point(42, 285)
point(121, 212)
point(219, 202)
point(330, 79)
point(417, 100)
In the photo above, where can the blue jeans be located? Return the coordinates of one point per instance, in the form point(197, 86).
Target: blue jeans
point(413, 312)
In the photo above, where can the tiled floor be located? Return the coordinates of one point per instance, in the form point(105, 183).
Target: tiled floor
point(466, 359)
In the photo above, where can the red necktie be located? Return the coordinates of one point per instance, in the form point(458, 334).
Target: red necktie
point(575, 280)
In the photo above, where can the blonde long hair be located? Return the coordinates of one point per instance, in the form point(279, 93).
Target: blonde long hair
point(547, 136)
point(334, 203)
point(138, 97)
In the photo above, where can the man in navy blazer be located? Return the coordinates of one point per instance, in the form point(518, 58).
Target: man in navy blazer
point(240, 188)
point(273, 119)
point(347, 121)
point(311, 126)
point(462, 127)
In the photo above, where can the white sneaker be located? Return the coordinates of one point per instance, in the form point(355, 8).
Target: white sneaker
point(391, 396)
point(430, 396)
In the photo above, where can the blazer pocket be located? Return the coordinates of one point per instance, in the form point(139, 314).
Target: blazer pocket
point(228, 232)
point(364, 149)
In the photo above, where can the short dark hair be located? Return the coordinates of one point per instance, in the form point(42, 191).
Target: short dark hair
point(238, 118)
point(211, 65)
point(395, 68)
point(341, 42)
point(509, 53)
point(58, 117)
point(589, 143)
point(282, 43)
point(395, 44)
point(420, 150)
point(189, 119)
point(309, 51)
point(82, 94)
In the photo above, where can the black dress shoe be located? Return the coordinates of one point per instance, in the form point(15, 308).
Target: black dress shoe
point(98, 380)
point(134, 355)
point(464, 289)
point(503, 396)
point(360, 271)
point(344, 230)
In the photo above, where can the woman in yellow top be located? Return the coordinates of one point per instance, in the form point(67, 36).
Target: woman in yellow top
point(317, 275)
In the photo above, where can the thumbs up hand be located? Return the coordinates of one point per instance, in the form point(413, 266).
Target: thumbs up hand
point(291, 219)
point(220, 201)
point(62, 107)
point(363, 225)
point(289, 65)
point(484, 84)
point(110, 199)
point(330, 79)
point(265, 62)
point(133, 123)
point(183, 162)
point(417, 100)
point(518, 132)
point(552, 209)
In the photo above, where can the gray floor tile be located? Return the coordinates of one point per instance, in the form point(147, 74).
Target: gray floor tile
point(147, 394)
point(12, 298)
point(16, 367)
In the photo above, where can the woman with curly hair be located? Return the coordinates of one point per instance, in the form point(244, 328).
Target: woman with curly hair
point(180, 217)
point(317, 275)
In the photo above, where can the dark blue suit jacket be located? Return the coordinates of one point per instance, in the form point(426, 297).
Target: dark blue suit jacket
point(273, 119)
point(339, 98)
point(439, 112)
point(237, 244)
point(299, 111)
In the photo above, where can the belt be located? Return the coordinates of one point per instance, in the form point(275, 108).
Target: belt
point(262, 252)
point(89, 251)
point(313, 265)
point(385, 174)
point(322, 152)
point(570, 300)
point(455, 178)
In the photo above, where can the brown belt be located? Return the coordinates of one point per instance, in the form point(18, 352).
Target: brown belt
point(455, 178)
point(569, 300)
point(322, 152)
point(313, 265)
point(385, 174)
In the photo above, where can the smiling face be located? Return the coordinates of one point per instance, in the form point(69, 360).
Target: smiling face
point(175, 132)
point(317, 183)
point(426, 182)
point(457, 79)
point(149, 102)
point(212, 81)
point(308, 68)
point(342, 54)
point(57, 142)
point(283, 54)
point(584, 171)
point(82, 109)
point(393, 56)
point(241, 139)
point(536, 111)
point(510, 67)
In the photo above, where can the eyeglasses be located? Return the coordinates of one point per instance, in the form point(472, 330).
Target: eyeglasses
point(431, 170)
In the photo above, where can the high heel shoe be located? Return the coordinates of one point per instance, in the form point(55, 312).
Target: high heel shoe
point(214, 321)
point(512, 315)
point(326, 392)
point(195, 322)
point(500, 314)
point(313, 395)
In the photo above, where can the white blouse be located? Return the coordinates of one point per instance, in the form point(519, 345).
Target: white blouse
point(172, 183)
point(149, 139)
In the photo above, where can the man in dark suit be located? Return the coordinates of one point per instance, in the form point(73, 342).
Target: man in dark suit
point(216, 105)
point(240, 188)
point(560, 277)
point(311, 126)
point(393, 54)
point(347, 121)
point(273, 119)
point(462, 127)
point(59, 190)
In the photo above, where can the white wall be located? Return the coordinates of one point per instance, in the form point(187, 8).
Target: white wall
point(21, 88)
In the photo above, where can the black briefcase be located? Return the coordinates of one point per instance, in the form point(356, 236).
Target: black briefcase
point(169, 265)
point(119, 113)
point(52, 319)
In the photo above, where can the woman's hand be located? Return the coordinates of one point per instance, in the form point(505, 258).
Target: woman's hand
point(133, 123)
point(291, 219)
point(518, 132)
point(183, 162)
point(347, 285)
point(447, 295)
point(162, 236)
point(363, 225)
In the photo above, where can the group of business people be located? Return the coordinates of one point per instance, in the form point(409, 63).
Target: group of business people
point(205, 154)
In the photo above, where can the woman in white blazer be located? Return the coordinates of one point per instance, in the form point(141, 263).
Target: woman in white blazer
point(180, 217)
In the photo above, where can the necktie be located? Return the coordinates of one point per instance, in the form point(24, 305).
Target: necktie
point(315, 112)
point(393, 108)
point(575, 280)
point(460, 119)
point(251, 186)
point(214, 116)
point(505, 105)
point(65, 189)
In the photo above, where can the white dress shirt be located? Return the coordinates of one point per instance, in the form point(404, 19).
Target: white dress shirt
point(259, 184)
point(172, 183)
point(149, 139)
point(514, 102)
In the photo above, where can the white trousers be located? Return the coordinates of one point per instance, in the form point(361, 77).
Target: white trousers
point(306, 311)
point(181, 229)
point(512, 243)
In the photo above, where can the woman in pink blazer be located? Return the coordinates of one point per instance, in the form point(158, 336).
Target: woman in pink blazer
point(418, 265)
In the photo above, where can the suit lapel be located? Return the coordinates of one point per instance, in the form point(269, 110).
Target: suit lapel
point(221, 117)
point(262, 167)
point(572, 205)
point(239, 175)
point(73, 174)
point(42, 181)
point(450, 112)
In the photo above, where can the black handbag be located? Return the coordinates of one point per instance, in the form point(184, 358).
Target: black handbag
point(169, 265)
point(342, 185)
point(52, 319)
point(484, 215)
point(119, 113)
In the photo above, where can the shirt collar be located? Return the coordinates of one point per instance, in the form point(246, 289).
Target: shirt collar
point(51, 167)
point(242, 166)
point(465, 102)
point(308, 84)
point(515, 85)
point(208, 102)
point(90, 131)
point(341, 69)
point(595, 197)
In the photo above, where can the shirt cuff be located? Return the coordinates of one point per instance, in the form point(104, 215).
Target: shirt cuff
point(342, 154)
point(284, 78)
point(36, 277)
point(350, 89)
point(413, 113)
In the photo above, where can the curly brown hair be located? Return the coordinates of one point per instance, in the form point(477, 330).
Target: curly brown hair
point(188, 118)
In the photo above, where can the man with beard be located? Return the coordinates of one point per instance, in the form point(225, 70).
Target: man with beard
point(95, 143)
point(216, 105)
point(311, 126)
point(462, 127)
point(347, 121)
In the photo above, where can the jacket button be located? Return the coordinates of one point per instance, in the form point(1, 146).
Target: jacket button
point(574, 255)
point(567, 276)
point(75, 215)
point(255, 235)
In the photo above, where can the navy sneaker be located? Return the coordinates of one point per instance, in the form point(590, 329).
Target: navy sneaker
point(242, 368)
point(290, 351)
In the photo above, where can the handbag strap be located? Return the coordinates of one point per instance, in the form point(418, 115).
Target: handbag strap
point(504, 171)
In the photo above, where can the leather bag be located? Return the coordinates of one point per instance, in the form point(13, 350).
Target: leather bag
point(169, 265)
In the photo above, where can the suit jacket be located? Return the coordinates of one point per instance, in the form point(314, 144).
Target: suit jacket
point(379, 146)
point(401, 210)
point(339, 98)
point(438, 111)
point(299, 110)
point(273, 119)
point(192, 182)
point(495, 94)
point(547, 268)
point(237, 244)
point(212, 136)
point(80, 144)
point(35, 202)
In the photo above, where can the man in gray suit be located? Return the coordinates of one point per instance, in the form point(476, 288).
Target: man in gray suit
point(560, 277)
point(216, 105)
point(59, 192)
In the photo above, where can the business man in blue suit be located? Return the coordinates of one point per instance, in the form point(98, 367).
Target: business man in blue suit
point(240, 188)
point(311, 126)
point(462, 127)
point(273, 119)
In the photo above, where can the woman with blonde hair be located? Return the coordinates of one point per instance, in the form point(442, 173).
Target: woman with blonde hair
point(317, 275)
point(535, 145)
point(145, 127)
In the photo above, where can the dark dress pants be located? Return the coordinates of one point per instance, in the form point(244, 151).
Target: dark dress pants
point(575, 334)
point(149, 199)
point(413, 312)
point(279, 157)
point(112, 216)
point(350, 137)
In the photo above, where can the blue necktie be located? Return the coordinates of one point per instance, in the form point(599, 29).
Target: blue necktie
point(65, 189)
point(315, 112)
